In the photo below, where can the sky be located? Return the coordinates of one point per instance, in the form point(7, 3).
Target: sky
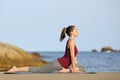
point(35, 25)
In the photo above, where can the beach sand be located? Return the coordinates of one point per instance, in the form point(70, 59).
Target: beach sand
point(62, 76)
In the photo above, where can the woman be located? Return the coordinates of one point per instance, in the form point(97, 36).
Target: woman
point(61, 64)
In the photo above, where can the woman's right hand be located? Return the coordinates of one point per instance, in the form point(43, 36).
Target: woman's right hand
point(75, 70)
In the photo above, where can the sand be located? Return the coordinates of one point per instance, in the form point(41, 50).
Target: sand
point(62, 76)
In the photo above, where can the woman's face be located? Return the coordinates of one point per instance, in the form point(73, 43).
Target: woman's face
point(75, 32)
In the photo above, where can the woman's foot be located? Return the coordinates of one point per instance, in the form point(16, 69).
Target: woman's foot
point(12, 70)
point(63, 70)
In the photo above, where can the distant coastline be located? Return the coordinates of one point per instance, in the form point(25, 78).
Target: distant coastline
point(106, 49)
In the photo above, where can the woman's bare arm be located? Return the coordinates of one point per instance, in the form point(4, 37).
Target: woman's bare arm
point(72, 48)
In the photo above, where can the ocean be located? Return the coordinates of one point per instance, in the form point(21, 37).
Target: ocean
point(92, 61)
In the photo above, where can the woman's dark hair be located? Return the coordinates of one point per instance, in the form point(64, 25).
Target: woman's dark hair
point(67, 31)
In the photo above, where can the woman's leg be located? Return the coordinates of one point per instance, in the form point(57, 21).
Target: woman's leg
point(53, 66)
point(44, 69)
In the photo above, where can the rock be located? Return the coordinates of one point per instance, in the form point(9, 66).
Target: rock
point(94, 50)
point(36, 54)
point(106, 49)
point(14, 56)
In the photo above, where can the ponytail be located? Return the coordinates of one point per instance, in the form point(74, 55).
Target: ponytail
point(66, 31)
point(62, 36)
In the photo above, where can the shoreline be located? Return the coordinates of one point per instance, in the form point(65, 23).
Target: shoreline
point(61, 76)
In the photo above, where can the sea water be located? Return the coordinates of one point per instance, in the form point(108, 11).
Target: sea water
point(92, 61)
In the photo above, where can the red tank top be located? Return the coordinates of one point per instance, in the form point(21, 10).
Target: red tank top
point(65, 61)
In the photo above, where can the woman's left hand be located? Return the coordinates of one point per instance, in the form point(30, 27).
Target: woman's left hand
point(75, 70)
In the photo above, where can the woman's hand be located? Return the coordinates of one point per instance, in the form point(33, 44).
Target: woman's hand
point(63, 70)
point(75, 70)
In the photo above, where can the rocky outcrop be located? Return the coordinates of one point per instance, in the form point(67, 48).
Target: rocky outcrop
point(107, 48)
point(36, 54)
point(14, 56)
point(94, 50)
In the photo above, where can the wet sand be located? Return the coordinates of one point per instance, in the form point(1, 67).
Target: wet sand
point(62, 76)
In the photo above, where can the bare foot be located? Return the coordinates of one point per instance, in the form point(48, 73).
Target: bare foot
point(63, 70)
point(13, 69)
